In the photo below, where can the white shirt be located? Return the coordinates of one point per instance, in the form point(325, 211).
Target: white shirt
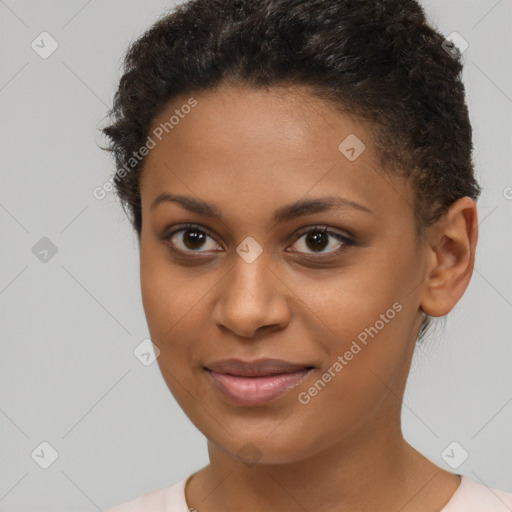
point(470, 496)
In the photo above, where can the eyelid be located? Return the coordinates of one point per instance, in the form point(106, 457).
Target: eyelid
point(346, 239)
point(188, 226)
point(323, 227)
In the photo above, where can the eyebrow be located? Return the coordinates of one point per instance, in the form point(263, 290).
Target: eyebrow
point(282, 214)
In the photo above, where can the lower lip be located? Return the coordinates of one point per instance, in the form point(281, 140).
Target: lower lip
point(256, 390)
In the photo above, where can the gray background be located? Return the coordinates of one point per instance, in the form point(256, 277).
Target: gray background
point(69, 325)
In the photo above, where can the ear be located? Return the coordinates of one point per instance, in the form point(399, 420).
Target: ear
point(451, 245)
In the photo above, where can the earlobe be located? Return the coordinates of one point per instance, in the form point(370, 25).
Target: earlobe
point(452, 246)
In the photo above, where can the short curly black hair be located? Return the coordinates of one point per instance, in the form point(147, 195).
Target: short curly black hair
point(379, 60)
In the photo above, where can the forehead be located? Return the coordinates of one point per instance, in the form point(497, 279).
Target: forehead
point(261, 148)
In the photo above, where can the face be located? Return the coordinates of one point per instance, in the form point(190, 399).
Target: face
point(332, 288)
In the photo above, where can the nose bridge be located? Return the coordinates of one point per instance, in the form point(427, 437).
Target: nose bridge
point(250, 279)
point(250, 272)
point(250, 296)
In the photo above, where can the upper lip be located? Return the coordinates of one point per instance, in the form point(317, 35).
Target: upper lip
point(256, 368)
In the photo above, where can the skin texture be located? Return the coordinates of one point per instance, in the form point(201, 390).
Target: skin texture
point(250, 152)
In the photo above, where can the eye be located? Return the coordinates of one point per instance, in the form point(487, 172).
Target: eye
point(191, 240)
point(316, 238)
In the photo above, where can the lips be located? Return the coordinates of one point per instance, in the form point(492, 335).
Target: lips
point(256, 368)
point(256, 382)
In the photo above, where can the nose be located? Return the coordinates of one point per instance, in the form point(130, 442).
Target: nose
point(253, 299)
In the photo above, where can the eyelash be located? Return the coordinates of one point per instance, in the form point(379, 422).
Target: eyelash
point(347, 241)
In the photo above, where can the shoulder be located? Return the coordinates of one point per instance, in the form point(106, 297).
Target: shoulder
point(472, 496)
point(165, 499)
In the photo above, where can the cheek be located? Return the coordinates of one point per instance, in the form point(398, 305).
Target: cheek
point(155, 292)
point(362, 324)
point(165, 294)
point(164, 300)
point(174, 301)
point(343, 304)
point(368, 301)
point(171, 306)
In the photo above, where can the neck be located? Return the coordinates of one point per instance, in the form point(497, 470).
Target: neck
point(378, 471)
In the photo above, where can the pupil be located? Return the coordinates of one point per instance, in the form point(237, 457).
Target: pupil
point(319, 240)
point(194, 240)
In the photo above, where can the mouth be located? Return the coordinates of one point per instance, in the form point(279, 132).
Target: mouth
point(257, 382)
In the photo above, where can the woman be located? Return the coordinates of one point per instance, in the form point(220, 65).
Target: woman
point(300, 179)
